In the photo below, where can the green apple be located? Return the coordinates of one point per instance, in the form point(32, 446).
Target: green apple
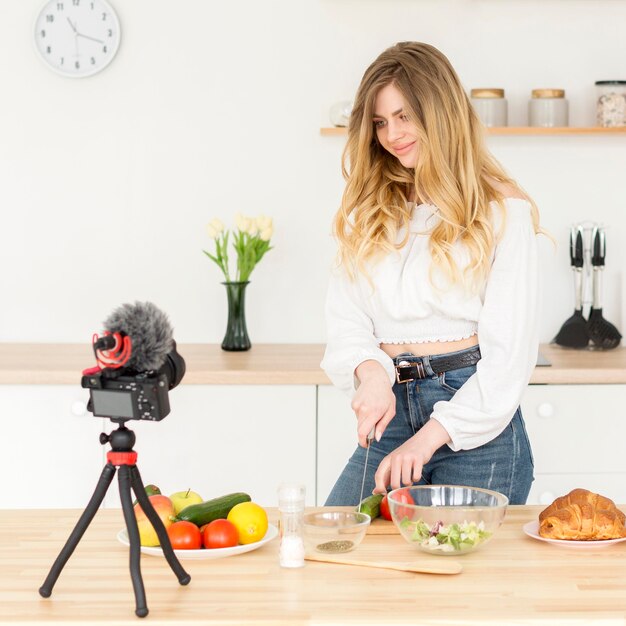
point(181, 499)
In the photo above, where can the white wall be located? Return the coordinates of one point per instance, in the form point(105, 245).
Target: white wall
point(106, 183)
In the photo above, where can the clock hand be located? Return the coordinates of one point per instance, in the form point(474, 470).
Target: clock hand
point(72, 25)
point(88, 37)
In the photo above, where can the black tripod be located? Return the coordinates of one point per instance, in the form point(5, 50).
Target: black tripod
point(121, 456)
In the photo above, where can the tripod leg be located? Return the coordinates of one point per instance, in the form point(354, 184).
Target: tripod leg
point(155, 520)
point(79, 530)
point(141, 608)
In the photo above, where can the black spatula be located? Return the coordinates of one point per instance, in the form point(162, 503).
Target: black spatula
point(574, 333)
point(601, 332)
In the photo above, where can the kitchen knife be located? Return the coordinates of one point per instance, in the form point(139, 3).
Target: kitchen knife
point(368, 441)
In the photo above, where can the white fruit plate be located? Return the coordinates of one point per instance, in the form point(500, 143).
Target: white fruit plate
point(205, 553)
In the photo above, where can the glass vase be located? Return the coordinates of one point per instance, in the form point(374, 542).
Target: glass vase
point(236, 338)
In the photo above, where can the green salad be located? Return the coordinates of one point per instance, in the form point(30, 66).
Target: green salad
point(451, 538)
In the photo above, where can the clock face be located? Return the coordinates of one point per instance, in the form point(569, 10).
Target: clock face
point(77, 38)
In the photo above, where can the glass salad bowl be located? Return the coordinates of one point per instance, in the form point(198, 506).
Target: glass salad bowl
point(447, 519)
point(333, 532)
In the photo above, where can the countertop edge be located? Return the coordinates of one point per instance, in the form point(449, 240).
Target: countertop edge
point(276, 364)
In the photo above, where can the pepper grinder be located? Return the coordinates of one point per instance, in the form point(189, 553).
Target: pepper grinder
point(291, 507)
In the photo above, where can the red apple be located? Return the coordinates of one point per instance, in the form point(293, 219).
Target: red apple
point(165, 510)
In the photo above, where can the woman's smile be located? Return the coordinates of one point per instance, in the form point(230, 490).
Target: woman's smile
point(403, 148)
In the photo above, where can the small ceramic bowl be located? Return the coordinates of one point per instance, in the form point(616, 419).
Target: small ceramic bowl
point(447, 519)
point(334, 532)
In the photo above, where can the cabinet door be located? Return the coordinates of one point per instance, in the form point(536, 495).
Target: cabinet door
point(576, 429)
point(336, 438)
point(51, 454)
point(220, 439)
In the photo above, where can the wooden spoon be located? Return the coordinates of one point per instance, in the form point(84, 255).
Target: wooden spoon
point(441, 566)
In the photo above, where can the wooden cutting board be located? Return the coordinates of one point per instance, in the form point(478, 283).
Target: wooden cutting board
point(380, 526)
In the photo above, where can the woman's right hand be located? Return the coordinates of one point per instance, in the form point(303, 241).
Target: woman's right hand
point(374, 402)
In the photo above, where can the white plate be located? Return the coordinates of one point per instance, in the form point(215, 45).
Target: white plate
point(205, 553)
point(532, 530)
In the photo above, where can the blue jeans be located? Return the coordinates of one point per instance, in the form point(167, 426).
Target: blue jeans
point(504, 464)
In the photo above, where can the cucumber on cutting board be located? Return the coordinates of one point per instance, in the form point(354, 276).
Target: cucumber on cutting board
point(217, 508)
point(371, 505)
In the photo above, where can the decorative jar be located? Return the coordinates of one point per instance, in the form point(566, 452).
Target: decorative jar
point(490, 106)
point(611, 103)
point(548, 108)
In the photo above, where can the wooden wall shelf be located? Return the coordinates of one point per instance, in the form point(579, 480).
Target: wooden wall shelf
point(520, 130)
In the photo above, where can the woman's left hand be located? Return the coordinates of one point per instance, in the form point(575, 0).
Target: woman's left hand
point(404, 465)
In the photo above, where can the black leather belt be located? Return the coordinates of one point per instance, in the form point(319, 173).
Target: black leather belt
point(406, 371)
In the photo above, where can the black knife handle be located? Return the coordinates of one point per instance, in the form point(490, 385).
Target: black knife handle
point(599, 247)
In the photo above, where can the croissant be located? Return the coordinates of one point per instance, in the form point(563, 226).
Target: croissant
point(582, 515)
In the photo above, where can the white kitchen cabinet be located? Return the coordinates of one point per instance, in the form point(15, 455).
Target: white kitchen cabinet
point(51, 456)
point(577, 433)
point(217, 440)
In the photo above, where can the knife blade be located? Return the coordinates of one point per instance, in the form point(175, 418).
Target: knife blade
point(368, 441)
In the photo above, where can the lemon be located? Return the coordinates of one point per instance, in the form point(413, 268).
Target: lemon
point(250, 520)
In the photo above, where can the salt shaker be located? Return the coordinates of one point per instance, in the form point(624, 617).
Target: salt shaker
point(291, 507)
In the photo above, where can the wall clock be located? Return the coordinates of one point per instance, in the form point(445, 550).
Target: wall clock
point(77, 38)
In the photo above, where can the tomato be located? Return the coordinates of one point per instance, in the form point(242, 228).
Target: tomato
point(384, 508)
point(404, 496)
point(184, 536)
point(220, 533)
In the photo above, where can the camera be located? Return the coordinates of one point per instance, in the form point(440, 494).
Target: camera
point(128, 394)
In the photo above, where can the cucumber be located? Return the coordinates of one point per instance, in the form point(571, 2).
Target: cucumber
point(151, 490)
point(371, 505)
point(217, 508)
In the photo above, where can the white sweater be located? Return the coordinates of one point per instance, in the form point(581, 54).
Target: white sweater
point(404, 308)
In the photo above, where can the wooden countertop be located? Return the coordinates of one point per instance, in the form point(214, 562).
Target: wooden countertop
point(512, 580)
point(274, 364)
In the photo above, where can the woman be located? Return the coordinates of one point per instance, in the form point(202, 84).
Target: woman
point(437, 251)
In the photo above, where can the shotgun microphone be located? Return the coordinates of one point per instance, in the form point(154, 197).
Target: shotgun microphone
point(146, 329)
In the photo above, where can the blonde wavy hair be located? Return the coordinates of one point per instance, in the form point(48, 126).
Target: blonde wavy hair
point(454, 170)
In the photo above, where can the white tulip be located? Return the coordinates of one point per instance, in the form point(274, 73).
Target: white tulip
point(241, 222)
point(217, 224)
point(214, 228)
point(266, 234)
point(263, 222)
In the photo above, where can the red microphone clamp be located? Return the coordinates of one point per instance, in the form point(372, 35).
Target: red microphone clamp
point(113, 350)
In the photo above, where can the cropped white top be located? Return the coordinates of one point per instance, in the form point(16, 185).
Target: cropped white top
point(404, 307)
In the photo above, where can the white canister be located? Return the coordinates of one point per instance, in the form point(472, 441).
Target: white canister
point(490, 106)
point(548, 108)
point(611, 104)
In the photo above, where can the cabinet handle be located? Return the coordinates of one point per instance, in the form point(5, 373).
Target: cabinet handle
point(545, 409)
point(79, 408)
point(547, 497)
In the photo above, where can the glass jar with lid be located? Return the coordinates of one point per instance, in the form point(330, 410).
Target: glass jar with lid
point(490, 106)
point(611, 103)
point(548, 108)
